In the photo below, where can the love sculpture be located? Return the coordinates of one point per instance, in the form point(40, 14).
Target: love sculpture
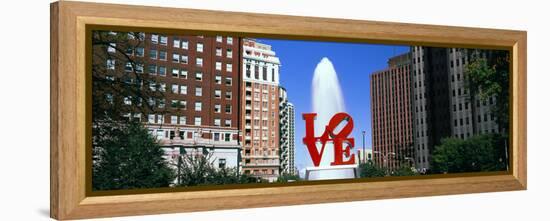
point(329, 135)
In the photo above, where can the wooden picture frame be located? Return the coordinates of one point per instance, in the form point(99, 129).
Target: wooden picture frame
point(68, 132)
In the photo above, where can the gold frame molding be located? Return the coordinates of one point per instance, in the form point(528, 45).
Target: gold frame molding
point(68, 88)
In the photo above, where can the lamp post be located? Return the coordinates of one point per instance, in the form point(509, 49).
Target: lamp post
point(364, 153)
point(385, 158)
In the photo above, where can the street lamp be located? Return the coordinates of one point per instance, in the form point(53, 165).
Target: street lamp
point(364, 153)
point(385, 158)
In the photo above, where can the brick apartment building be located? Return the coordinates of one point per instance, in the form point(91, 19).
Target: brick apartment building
point(260, 110)
point(199, 78)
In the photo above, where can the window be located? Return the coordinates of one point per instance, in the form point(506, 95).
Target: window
point(175, 72)
point(218, 66)
point(198, 76)
point(175, 58)
point(217, 122)
point(264, 73)
point(111, 48)
point(183, 74)
point(140, 51)
point(151, 118)
point(218, 52)
point(221, 163)
point(248, 71)
point(176, 43)
point(229, 40)
point(174, 119)
point(129, 51)
point(175, 88)
point(228, 81)
point(184, 44)
point(128, 100)
point(162, 71)
point(183, 120)
point(153, 54)
point(219, 38)
point(229, 53)
point(139, 68)
point(154, 39)
point(218, 79)
point(228, 108)
point(217, 108)
point(198, 91)
point(200, 47)
point(183, 89)
point(174, 103)
point(184, 59)
point(162, 55)
point(228, 67)
point(160, 119)
point(227, 136)
point(199, 62)
point(218, 94)
point(162, 87)
point(163, 40)
point(198, 121)
point(227, 123)
point(152, 86)
point(228, 95)
point(110, 64)
point(198, 106)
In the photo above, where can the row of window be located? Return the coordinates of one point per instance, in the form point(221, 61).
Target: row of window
point(160, 70)
point(182, 120)
point(163, 55)
point(182, 43)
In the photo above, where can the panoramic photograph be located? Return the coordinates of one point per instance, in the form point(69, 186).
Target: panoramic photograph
point(176, 110)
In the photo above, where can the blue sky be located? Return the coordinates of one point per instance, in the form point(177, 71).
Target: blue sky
point(353, 63)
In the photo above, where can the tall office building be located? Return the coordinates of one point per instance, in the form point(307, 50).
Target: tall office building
point(286, 133)
point(291, 139)
point(390, 93)
point(198, 80)
point(260, 110)
point(442, 103)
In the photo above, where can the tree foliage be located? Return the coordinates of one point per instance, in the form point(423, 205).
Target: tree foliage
point(285, 178)
point(404, 171)
point(370, 169)
point(476, 154)
point(128, 157)
point(196, 169)
point(124, 155)
point(488, 77)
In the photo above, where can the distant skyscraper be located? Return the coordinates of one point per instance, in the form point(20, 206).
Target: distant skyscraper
point(284, 131)
point(442, 103)
point(390, 93)
point(260, 110)
point(291, 143)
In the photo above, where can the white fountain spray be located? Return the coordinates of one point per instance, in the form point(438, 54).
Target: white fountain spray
point(327, 100)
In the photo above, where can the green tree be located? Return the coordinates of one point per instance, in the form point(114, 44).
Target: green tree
point(476, 154)
point(128, 157)
point(197, 169)
point(404, 171)
point(285, 178)
point(369, 169)
point(488, 76)
point(121, 91)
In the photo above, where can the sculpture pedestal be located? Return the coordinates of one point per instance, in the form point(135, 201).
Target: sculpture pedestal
point(332, 172)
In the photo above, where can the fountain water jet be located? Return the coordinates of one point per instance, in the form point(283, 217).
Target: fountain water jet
point(327, 100)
